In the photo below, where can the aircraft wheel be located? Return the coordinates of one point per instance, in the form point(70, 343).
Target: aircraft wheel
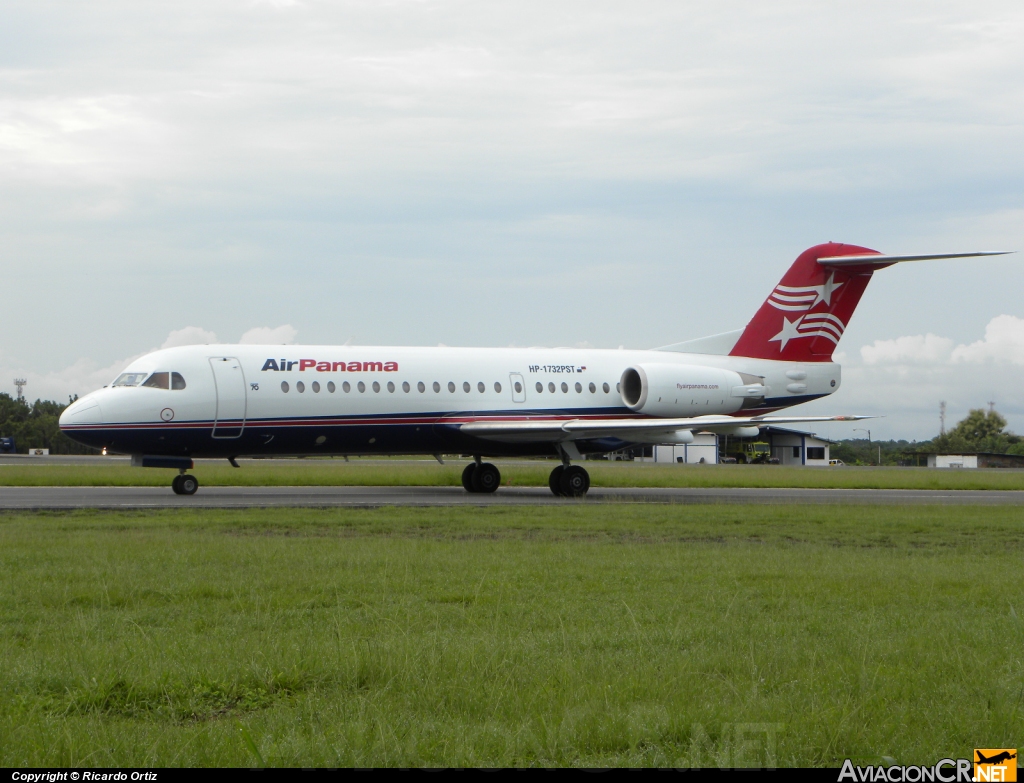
point(188, 484)
point(575, 482)
point(487, 478)
point(176, 484)
point(467, 477)
point(555, 480)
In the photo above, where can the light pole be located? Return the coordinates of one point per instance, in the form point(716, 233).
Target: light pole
point(859, 429)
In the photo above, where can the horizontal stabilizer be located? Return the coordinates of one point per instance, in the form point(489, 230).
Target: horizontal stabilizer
point(638, 430)
point(882, 260)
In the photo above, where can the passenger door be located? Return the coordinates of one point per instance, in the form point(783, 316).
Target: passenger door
point(518, 387)
point(229, 381)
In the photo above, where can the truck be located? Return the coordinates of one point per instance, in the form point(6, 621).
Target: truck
point(750, 453)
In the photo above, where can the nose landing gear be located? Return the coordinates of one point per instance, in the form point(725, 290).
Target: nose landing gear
point(481, 477)
point(185, 484)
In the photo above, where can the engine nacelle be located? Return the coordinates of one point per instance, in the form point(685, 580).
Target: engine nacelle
point(682, 390)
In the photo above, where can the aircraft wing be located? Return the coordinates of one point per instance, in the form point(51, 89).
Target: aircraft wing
point(637, 430)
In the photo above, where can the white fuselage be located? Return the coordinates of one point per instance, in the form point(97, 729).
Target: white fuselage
point(313, 399)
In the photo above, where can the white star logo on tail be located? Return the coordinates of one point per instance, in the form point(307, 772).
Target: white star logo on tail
point(803, 298)
point(790, 330)
point(811, 325)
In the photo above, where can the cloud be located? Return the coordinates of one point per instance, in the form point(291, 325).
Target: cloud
point(190, 335)
point(264, 335)
point(1003, 342)
point(914, 349)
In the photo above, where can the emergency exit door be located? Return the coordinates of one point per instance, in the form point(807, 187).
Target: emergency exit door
point(518, 385)
point(229, 381)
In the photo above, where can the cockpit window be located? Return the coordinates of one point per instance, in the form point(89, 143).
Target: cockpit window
point(130, 379)
point(158, 380)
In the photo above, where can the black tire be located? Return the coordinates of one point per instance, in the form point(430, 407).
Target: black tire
point(487, 478)
point(555, 480)
point(575, 481)
point(467, 477)
point(188, 484)
point(176, 484)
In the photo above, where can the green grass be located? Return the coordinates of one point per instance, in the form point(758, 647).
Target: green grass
point(514, 472)
point(682, 636)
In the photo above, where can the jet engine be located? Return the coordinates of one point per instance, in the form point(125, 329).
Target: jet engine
point(682, 390)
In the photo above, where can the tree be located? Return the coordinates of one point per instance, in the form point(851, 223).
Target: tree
point(36, 426)
point(981, 430)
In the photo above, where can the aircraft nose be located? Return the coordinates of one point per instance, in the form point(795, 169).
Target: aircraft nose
point(83, 411)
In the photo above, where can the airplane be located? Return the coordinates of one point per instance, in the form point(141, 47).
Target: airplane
point(996, 759)
point(229, 401)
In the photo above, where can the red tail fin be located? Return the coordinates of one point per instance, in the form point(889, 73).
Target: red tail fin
point(804, 317)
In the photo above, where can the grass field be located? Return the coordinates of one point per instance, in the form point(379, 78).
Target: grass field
point(679, 636)
point(514, 472)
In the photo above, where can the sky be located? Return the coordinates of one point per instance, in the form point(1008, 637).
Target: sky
point(483, 174)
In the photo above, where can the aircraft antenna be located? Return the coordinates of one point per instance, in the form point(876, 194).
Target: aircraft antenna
point(942, 418)
point(20, 384)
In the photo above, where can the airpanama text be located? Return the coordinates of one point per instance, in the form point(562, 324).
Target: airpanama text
point(312, 364)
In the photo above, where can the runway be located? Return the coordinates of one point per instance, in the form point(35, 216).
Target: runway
point(123, 498)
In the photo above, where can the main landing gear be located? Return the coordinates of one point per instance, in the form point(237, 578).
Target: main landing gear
point(481, 476)
point(185, 484)
point(570, 481)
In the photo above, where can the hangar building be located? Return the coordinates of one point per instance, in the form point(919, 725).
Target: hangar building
point(789, 447)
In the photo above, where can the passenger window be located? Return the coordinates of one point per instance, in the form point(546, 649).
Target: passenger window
point(579, 387)
point(421, 387)
point(551, 387)
point(605, 387)
point(519, 387)
point(480, 387)
point(497, 387)
point(177, 382)
point(565, 387)
point(592, 387)
point(405, 386)
point(284, 386)
point(465, 386)
point(451, 386)
point(437, 387)
point(376, 386)
point(618, 388)
point(540, 386)
point(316, 387)
point(300, 387)
point(159, 380)
point(391, 387)
point(345, 387)
point(331, 387)
point(361, 386)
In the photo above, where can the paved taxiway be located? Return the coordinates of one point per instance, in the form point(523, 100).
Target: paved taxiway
point(26, 498)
